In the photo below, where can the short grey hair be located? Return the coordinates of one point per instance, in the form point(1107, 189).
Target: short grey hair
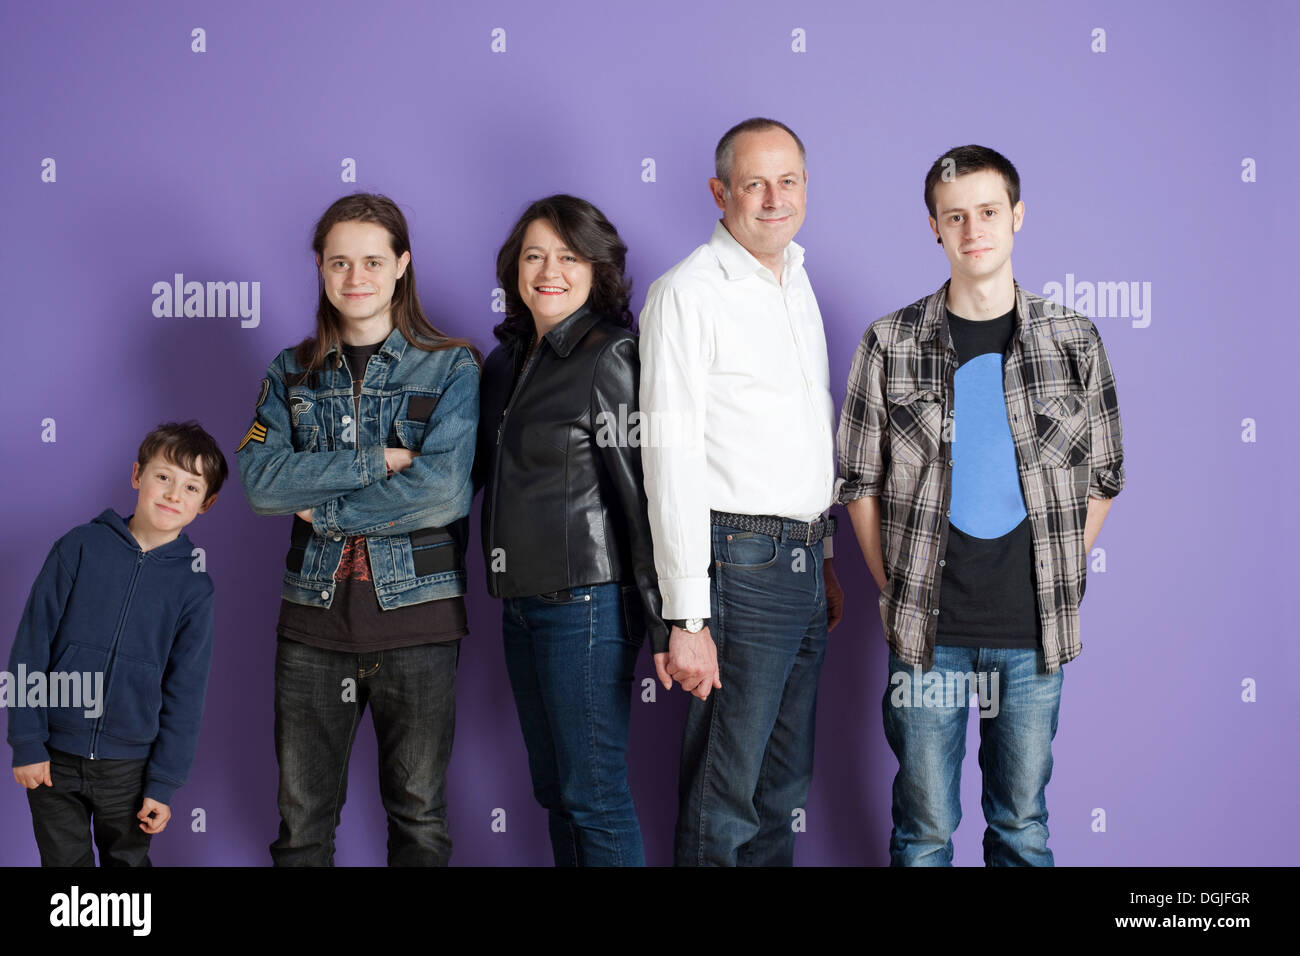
point(725, 155)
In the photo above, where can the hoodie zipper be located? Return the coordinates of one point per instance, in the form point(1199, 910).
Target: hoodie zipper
point(112, 652)
point(501, 428)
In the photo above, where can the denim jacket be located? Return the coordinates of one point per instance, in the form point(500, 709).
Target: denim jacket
point(304, 450)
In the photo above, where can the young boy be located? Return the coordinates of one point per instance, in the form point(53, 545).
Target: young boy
point(111, 660)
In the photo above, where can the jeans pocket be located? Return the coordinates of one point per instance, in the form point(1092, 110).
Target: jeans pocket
point(749, 550)
point(565, 596)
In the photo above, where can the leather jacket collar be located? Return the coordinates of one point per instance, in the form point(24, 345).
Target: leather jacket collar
point(565, 337)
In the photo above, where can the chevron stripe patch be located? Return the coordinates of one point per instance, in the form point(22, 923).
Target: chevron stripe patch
point(256, 432)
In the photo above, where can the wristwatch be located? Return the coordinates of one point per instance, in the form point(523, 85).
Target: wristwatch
point(691, 625)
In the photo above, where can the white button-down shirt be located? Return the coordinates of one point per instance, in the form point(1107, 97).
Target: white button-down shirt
point(735, 404)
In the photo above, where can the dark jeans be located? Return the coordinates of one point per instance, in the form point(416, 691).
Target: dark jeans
point(411, 692)
point(104, 795)
point(570, 657)
point(747, 752)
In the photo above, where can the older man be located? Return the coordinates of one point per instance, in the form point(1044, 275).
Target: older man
point(739, 470)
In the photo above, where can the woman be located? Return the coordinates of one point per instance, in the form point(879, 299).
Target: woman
point(366, 432)
point(565, 533)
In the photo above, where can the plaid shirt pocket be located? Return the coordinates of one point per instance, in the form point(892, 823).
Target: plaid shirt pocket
point(915, 426)
point(1064, 430)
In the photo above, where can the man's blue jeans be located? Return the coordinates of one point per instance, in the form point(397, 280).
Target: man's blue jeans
point(927, 732)
point(747, 751)
point(570, 657)
point(320, 696)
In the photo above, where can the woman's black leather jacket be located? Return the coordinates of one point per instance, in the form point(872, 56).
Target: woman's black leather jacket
point(563, 503)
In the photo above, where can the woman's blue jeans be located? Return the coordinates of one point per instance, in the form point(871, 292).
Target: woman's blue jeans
point(570, 657)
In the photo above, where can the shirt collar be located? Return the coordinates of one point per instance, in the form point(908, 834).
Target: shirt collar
point(565, 336)
point(394, 345)
point(738, 262)
point(934, 317)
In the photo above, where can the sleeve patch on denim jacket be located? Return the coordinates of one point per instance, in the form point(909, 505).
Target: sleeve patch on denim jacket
point(256, 432)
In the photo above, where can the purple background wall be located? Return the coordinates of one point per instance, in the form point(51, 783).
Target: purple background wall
point(215, 164)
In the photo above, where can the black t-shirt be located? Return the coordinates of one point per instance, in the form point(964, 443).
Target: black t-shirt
point(987, 597)
point(354, 621)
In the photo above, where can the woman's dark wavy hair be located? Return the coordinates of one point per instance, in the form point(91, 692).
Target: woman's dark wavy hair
point(408, 316)
point(586, 231)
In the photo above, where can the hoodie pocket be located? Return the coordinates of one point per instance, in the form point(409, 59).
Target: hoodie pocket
point(131, 714)
point(74, 687)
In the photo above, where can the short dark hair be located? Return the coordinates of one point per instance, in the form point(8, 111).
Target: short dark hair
point(187, 445)
point(586, 231)
point(961, 160)
point(724, 156)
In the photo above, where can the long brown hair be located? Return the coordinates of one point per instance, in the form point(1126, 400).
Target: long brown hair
point(408, 316)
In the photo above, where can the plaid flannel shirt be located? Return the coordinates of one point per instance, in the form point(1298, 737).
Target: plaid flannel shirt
point(895, 442)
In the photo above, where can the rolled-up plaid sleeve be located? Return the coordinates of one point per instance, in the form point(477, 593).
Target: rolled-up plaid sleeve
point(1107, 460)
point(862, 440)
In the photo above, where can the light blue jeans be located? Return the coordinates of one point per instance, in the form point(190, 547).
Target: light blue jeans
point(926, 728)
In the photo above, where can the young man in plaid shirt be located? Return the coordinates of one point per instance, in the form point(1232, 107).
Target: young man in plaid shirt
point(979, 447)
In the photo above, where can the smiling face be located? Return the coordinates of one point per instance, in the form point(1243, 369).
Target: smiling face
point(170, 498)
point(360, 270)
point(976, 224)
point(554, 281)
point(763, 205)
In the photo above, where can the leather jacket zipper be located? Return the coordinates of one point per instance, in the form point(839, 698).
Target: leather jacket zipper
point(501, 428)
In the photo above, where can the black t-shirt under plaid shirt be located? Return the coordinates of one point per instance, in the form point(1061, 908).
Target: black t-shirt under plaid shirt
point(986, 598)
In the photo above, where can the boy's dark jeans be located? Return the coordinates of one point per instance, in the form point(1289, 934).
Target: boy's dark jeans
point(411, 693)
point(103, 794)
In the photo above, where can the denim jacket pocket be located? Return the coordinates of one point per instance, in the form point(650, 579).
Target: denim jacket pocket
point(306, 437)
point(410, 434)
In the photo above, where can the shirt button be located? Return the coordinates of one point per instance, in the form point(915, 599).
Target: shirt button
point(947, 514)
point(347, 419)
point(935, 612)
point(324, 595)
point(943, 563)
point(949, 462)
point(338, 537)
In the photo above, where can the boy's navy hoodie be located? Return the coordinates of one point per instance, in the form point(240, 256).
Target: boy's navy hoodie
point(141, 618)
